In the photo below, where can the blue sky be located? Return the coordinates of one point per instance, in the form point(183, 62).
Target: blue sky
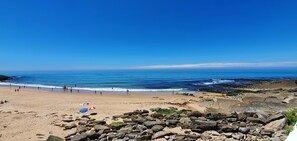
point(55, 34)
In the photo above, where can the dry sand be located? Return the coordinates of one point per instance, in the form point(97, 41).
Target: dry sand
point(32, 112)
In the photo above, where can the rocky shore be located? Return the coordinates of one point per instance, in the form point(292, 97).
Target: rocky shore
point(4, 78)
point(178, 125)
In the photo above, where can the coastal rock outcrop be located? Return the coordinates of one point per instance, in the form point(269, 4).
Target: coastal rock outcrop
point(3, 77)
point(182, 125)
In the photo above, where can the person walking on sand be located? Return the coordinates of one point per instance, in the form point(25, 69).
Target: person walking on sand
point(127, 92)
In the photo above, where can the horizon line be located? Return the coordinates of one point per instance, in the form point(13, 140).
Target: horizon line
point(213, 65)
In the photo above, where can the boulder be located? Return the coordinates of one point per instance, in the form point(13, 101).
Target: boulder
point(199, 126)
point(102, 128)
point(93, 135)
point(99, 122)
point(160, 134)
point(244, 130)
point(157, 128)
point(54, 138)
point(81, 129)
point(125, 130)
point(150, 124)
point(274, 117)
point(195, 114)
point(80, 137)
point(227, 128)
point(276, 125)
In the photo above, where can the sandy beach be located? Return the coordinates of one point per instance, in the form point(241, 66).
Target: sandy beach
point(29, 113)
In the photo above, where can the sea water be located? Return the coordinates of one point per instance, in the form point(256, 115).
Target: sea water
point(140, 80)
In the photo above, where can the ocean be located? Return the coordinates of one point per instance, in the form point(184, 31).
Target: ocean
point(140, 80)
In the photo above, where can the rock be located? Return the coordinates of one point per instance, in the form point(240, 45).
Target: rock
point(150, 124)
point(54, 138)
point(139, 120)
point(81, 129)
point(195, 114)
point(255, 120)
point(231, 119)
point(228, 135)
point(202, 118)
point(67, 120)
point(172, 122)
point(274, 117)
point(70, 133)
point(99, 122)
point(227, 128)
point(244, 130)
point(157, 128)
point(199, 126)
point(276, 125)
point(80, 137)
point(242, 117)
point(140, 128)
point(267, 132)
point(68, 127)
point(230, 139)
point(111, 136)
point(275, 139)
point(185, 122)
point(93, 135)
point(213, 133)
point(125, 130)
point(3, 77)
point(145, 135)
point(160, 134)
point(102, 128)
point(237, 136)
point(132, 135)
point(120, 135)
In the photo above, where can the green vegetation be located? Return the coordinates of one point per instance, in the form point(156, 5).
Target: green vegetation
point(292, 119)
point(289, 129)
point(169, 111)
point(234, 93)
point(117, 124)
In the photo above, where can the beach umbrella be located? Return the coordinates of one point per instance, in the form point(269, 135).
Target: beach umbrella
point(83, 110)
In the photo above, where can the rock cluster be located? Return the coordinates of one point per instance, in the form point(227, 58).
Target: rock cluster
point(184, 126)
point(3, 77)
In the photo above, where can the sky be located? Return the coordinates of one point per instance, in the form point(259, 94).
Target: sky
point(148, 34)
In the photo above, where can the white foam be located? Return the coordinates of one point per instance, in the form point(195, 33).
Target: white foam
point(88, 89)
point(125, 89)
point(218, 81)
point(28, 85)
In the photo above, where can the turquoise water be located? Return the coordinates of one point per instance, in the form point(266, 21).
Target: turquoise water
point(142, 80)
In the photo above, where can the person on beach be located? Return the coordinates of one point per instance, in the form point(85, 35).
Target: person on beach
point(95, 92)
point(100, 93)
point(52, 89)
point(127, 92)
point(64, 88)
point(71, 90)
